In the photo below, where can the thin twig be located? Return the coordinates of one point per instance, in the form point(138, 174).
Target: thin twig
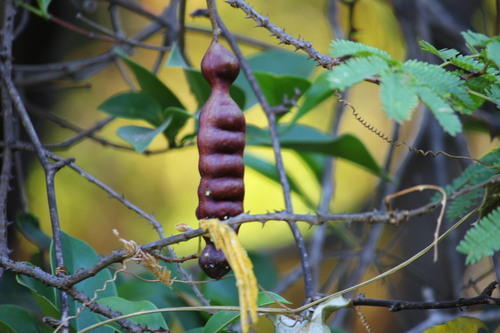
point(181, 39)
point(49, 169)
point(395, 305)
point(284, 38)
point(327, 195)
point(271, 118)
point(8, 134)
point(212, 10)
point(289, 311)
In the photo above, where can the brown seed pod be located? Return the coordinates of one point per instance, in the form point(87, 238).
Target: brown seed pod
point(221, 140)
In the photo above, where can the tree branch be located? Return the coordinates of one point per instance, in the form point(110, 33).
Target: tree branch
point(271, 118)
point(284, 38)
point(397, 305)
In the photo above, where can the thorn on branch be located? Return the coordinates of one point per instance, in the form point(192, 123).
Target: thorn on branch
point(202, 12)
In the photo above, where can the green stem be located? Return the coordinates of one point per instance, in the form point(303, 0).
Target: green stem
point(486, 98)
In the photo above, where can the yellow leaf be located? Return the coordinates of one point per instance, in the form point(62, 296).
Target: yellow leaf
point(134, 252)
point(458, 325)
point(226, 240)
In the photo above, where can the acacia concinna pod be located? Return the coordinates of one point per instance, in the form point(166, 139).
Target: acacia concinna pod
point(221, 141)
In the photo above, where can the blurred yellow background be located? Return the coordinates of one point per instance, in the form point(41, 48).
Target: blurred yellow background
point(165, 184)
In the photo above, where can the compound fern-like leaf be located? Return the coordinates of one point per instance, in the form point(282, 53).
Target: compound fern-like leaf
point(483, 239)
point(355, 70)
point(342, 48)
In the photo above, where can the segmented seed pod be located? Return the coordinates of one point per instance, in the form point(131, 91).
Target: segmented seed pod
point(221, 141)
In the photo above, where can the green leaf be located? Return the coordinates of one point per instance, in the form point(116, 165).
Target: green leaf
point(268, 297)
point(134, 289)
point(491, 199)
point(428, 47)
point(277, 88)
point(493, 52)
point(44, 7)
point(281, 62)
point(222, 319)
point(308, 139)
point(177, 117)
point(224, 292)
point(341, 48)
point(267, 271)
point(277, 62)
point(355, 70)
point(153, 321)
point(444, 54)
point(30, 8)
point(467, 63)
point(196, 330)
point(269, 170)
point(79, 255)
point(175, 58)
point(319, 91)
point(458, 325)
point(475, 39)
point(397, 95)
point(44, 295)
point(482, 239)
point(18, 319)
point(441, 110)
point(494, 94)
point(315, 162)
point(473, 175)
point(30, 228)
point(152, 86)
point(134, 105)
point(445, 84)
point(141, 137)
point(201, 89)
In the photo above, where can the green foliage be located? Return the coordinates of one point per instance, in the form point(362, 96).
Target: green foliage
point(444, 92)
point(201, 89)
point(397, 103)
point(15, 319)
point(44, 295)
point(441, 110)
point(134, 105)
point(475, 39)
point(44, 6)
point(222, 319)
point(356, 70)
point(318, 92)
point(42, 10)
point(141, 137)
point(278, 88)
point(482, 239)
point(160, 98)
point(303, 138)
point(29, 226)
point(225, 292)
point(282, 62)
point(153, 321)
point(473, 175)
point(493, 52)
point(79, 255)
point(342, 48)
